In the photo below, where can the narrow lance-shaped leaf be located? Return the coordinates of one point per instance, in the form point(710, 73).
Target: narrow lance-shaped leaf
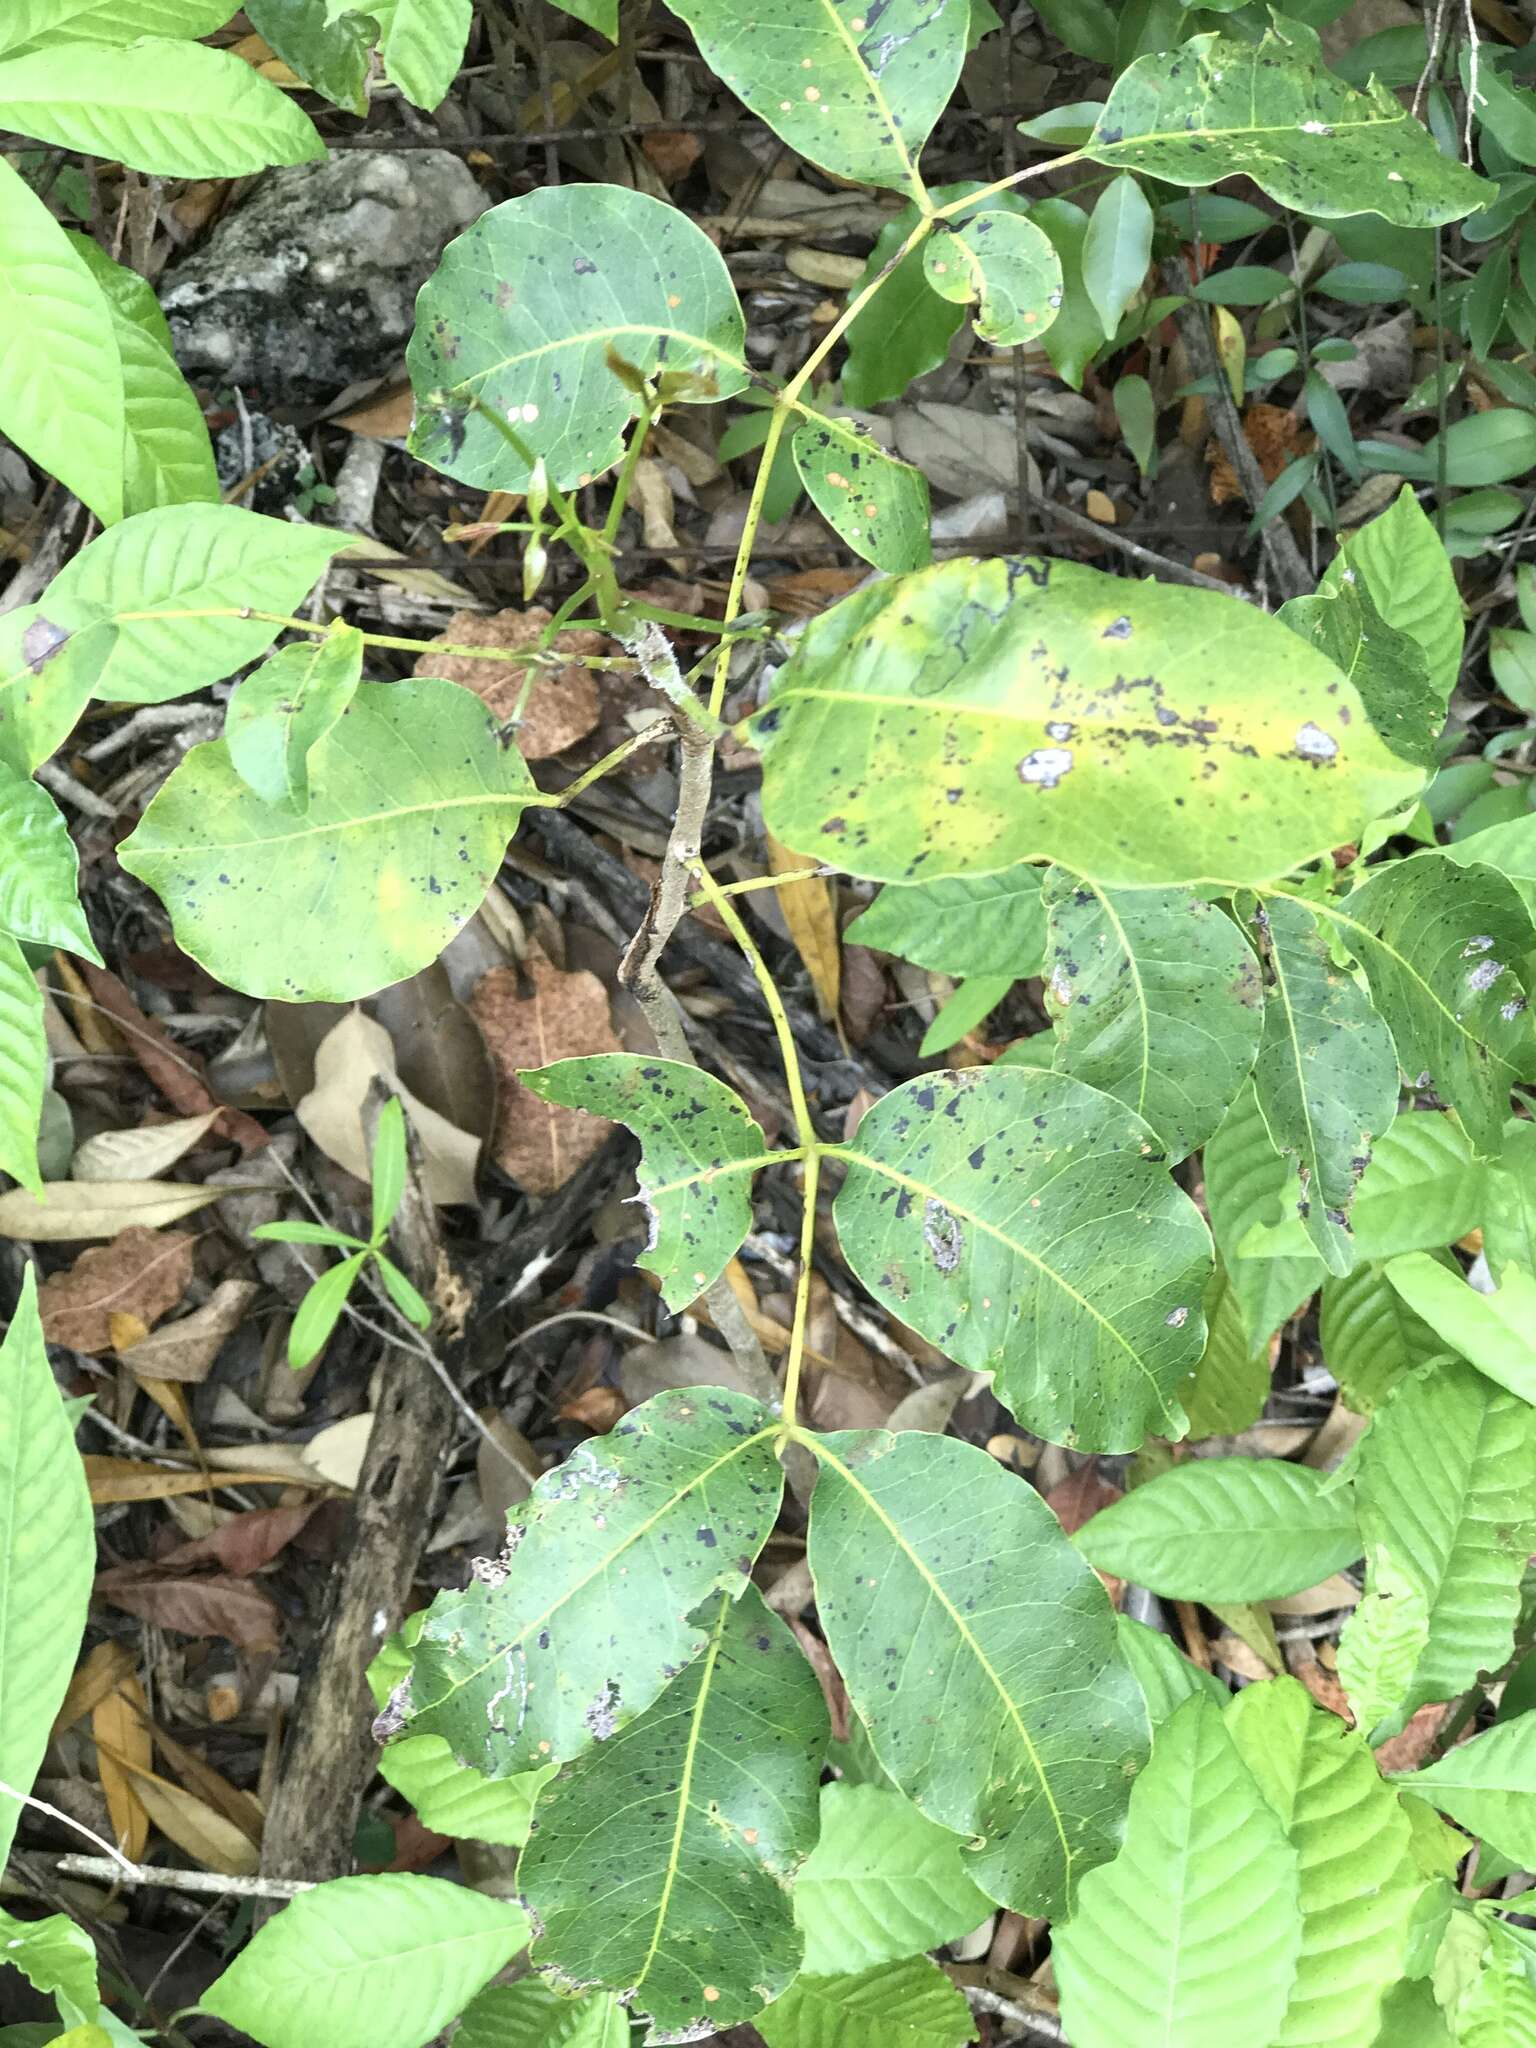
point(1446, 1486)
point(659, 1863)
point(1190, 1938)
point(854, 87)
point(1117, 248)
point(413, 801)
point(1229, 1383)
point(939, 1576)
point(277, 716)
point(700, 1146)
point(1227, 1529)
point(39, 899)
point(1214, 107)
point(1025, 1224)
point(47, 1552)
point(1166, 1676)
point(1000, 259)
point(878, 504)
point(1442, 948)
point(1156, 999)
point(1022, 709)
point(531, 308)
point(1358, 1882)
point(586, 1618)
point(1326, 1077)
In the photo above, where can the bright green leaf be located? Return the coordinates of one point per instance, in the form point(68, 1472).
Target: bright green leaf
point(1485, 448)
point(904, 2005)
point(53, 1955)
point(454, 1800)
point(1488, 1785)
point(1025, 1224)
point(422, 44)
point(960, 924)
point(413, 800)
point(38, 868)
point(1500, 2011)
point(659, 1862)
point(919, 1547)
point(1495, 1332)
point(1387, 665)
point(1166, 1676)
point(1370, 1337)
point(1248, 1185)
point(1400, 559)
point(1000, 260)
point(1228, 1384)
point(279, 715)
point(320, 1311)
point(23, 1065)
point(966, 1010)
point(1227, 1529)
point(1422, 1189)
point(1117, 248)
point(882, 1882)
point(532, 2014)
point(514, 319)
point(875, 502)
point(106, 21)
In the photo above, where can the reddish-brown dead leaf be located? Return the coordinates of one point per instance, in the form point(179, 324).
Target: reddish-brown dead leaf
point(598, 1409)
point(673, 152)
point(562, 706)
point(219, 1606)
point(1077, 1500)
point(1407, 1751)
point(528, 1022)
point(244, 1543)
point(1274, 434)
point(140, 1273)
point(176, 1072)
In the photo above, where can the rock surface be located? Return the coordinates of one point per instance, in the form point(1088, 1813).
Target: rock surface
point(311, 284)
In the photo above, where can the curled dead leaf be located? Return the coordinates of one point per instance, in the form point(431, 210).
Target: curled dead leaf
point(562, 705)
point(141, 1274)
point(348, 1059)
point(548, 1016)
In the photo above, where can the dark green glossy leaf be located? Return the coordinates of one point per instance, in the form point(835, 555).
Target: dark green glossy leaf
point(1000, 260)
point(1076, 335)
point(877, 503)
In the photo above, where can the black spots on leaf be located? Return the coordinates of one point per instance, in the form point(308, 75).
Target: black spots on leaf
point(974, 1159)
point(705, 1535)
point(583, 266)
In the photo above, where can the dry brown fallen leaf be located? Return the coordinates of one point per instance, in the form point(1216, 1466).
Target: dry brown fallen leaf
point(562, 706)
point(186, 1349)
point(214, 1606)
point(561, 1016)
point(347, 1061)
point(120, 1728)
point(142, 1154)
point(141, 1273)
point(176, 1072)
point(245, 1542)
point(193, 1825)
point(70, 1210)
point(95, 1676)
point(811, 914)
point(112, 1480)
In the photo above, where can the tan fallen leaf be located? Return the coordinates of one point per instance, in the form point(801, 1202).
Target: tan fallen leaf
point(120, 1728)
point(95, 1676)
point(172, 1402)
point(1334, 1593)
point(385, 418)
point(69, 1210)
point(193, 1825)
point(562, 705)
point(186, 1349)
point(337, 1453)
point(561, 1016)
point(142, 1154)
point(811, 914)
point(211, 1786)
point(112, 1480)
point(140, 1275)
point(348, 1059)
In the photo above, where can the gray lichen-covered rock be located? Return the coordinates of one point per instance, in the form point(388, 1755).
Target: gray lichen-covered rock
point(311, 284)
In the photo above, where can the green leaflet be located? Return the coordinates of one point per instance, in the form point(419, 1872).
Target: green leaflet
point(1423, 1189)
point(906, 2005)
point(422, 44)
point(1358, 1883)
point(54, 1955)
point(38, 868)
point(882, 1882)
point(1495, 1332)
point(1442, 948)
point(907, 328)
point(47, 1552)
point(1001, 259)
point(414, 800)
point(367, 1962)
point(1227, 1385)
point(63, 396)
point(1166, 1676)
point(1025, 1224)
point(278, 716)
point(23, 1065)
point(1075, 336)
point(1500, 2010)
point(30, 22)
point(1190, 1938)
point(919, 1546)
point(659, 1862)
point(1370, 1336)
point(1226, 1529)
point(1156, 1000)
point(1247, 1184)
point(1510, 848)
point(1446, 1491)
point(1508, 1212)
point(854, 88)
point(1215, 106)
point(533, 2014)
point(1488, 1785)
point(1325, 1078)
point(700, 1148)
point(960, 924)
point(1386, 664)
point(457, 1801)
point(174, 109)
point(1022, 709)
point(586, 1618)
point(513, 319)
point(879, 505)
point(331, 56)
point(1117, 248)
point(1402, 562)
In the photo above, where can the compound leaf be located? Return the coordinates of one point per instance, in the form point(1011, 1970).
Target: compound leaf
point(1225, 1529)
point(1214, 107)
point(1020, 709)
point(47, 1552)
point(1002, 262)
point(882, 1882)
point(911, 2004)
point(1156, 1000)
point(1446, 1495)
point(531, 309)
point(587, 1618)
point(1190, 1937)
point(1358, 1883)
point(1023, 1222)
point(174, 109)
point(929, 1558)
point(699, 1148)
point(367, 1962)
point(960, 924)
point(413, 801)
point(660, 1862)
point(279, 715)
point(855, 89)
point(877, 503)
point(1488, 1785)
point(1326, 1078)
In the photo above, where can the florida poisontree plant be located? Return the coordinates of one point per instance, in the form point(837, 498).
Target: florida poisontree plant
point(1188, 817)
